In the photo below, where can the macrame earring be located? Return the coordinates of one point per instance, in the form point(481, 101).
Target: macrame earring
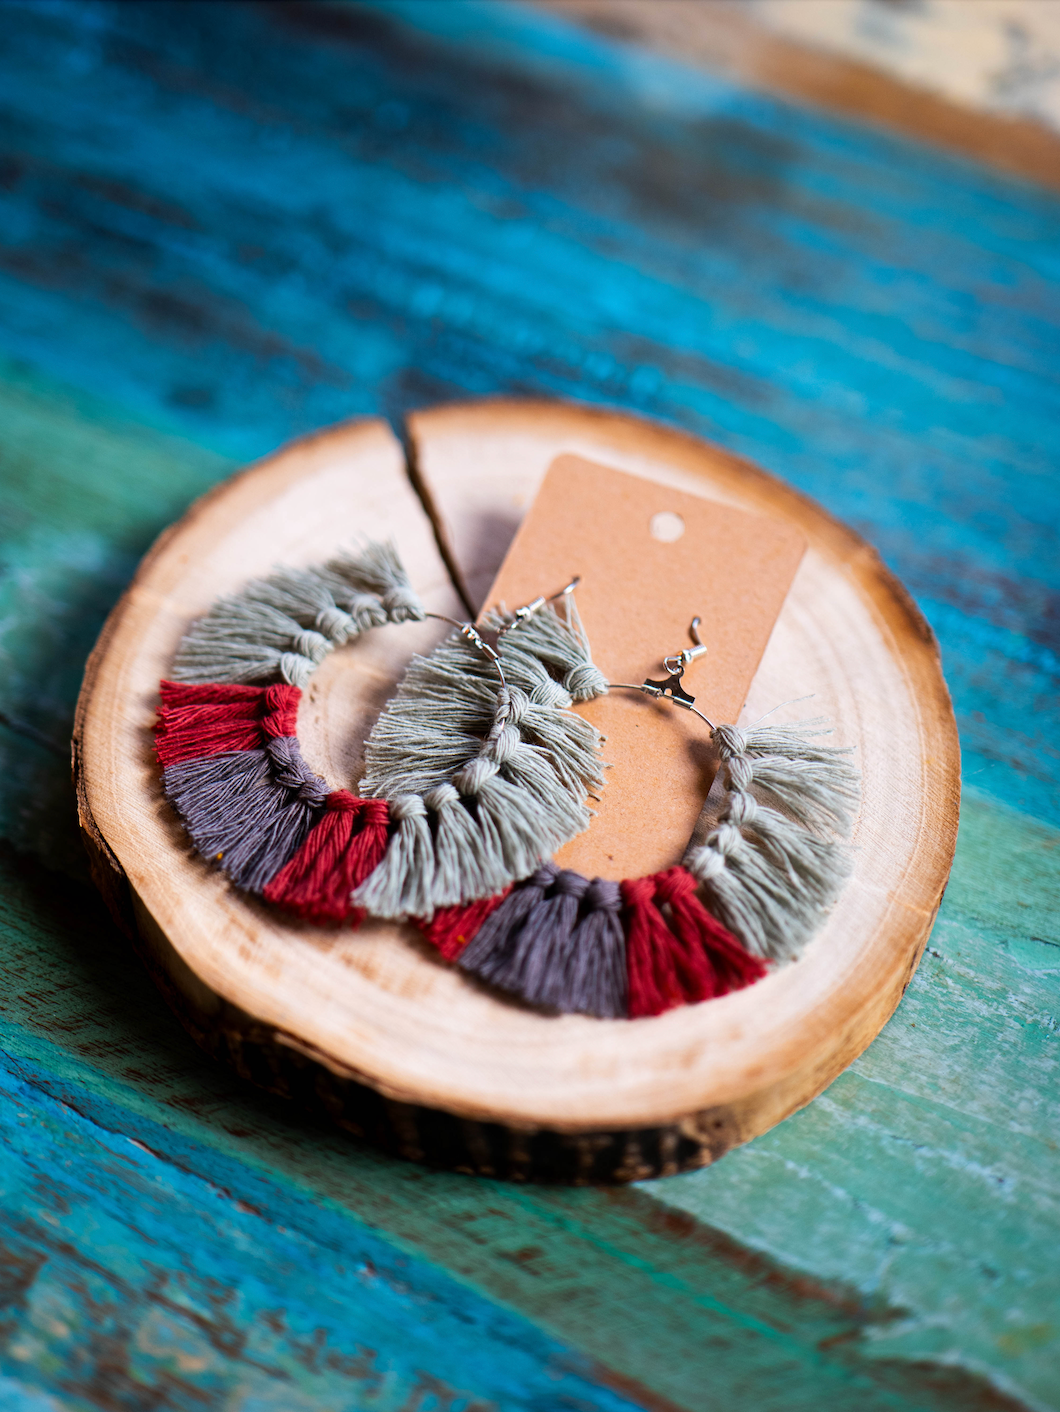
point(754, 892)
point(477, 770)
point(482, 761)
point(770, 873)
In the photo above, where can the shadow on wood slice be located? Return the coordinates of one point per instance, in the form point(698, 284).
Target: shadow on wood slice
point(368, 1027)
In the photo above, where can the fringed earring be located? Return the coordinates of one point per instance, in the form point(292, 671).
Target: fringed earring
point(232, 767)
point(481, 759)
point(769, 872)
point(477, 771)
point(752, 893)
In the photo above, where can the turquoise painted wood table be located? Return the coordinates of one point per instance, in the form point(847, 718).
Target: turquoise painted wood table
point(225, 225)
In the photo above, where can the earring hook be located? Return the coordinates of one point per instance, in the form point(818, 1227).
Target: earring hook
point(471, 632)
point(680, 660)
point(671, 689)
point(476, 639)
point(529, 609)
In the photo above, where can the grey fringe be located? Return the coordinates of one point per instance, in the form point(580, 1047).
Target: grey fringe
point(376, 569)
point(597, 980)
point(769, 876)
point(488, 954)
point(501, 774)
point(556, 942)
point(281, 628)
point(249, 810)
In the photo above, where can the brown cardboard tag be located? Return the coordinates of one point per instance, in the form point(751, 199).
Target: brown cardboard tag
point(650, 560)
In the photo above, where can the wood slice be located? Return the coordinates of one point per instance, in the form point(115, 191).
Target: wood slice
point(369, 1027)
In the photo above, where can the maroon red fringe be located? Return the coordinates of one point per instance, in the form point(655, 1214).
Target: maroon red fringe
point(196, 721)
point(451, 928)
point(345, 845)
point(676, 952)
point(683, 958)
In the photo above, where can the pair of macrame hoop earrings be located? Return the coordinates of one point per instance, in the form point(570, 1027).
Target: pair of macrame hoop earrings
point(477, 771)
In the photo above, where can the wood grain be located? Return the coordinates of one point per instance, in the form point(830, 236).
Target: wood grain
point(372, 1008)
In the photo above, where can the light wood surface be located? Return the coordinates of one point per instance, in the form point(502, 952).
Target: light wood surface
point(374, 1009)
point(976, 77)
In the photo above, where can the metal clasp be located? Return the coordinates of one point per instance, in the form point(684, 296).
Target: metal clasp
point(676, 665)
point(680, 660)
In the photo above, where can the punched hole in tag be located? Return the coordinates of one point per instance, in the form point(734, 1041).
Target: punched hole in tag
point(666, 526)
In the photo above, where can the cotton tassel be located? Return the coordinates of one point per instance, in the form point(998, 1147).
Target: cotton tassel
point(468, 861)
point(487, 953)
point(770, 877)
point(596, 982)
point(557, 941)
point(813, 783)
point(377, 569)
point(304, 794)
point(306, 596)
point(240, 640)
point(540, 966)
point(365, 609)
point(369, 844)
point(569, 743)
point(317, 882)
point(526, 768)
point(279, 720)
point(733, 966)
point(402, 884)
point(771, 885)
point(451, 928)
point(559, 641)
point(250, 810)
point(667, 967)
point(195, 721)
point(521, 822)
point(652, 978)
point(214, 796)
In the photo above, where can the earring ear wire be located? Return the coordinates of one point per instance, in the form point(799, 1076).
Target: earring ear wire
point(680, 660)
point(471, 632)
point(529, 609)
point(671, 689)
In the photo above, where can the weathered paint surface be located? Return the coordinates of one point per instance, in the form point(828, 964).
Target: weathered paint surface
point(234, 1206)
point(224, 225)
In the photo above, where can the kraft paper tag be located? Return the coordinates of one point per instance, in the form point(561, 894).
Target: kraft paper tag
point(651, 559)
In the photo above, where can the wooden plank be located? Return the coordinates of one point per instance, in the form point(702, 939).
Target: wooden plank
point(82, 495)
point(663, 1306)
point(230, 225)
point(942, 1134)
